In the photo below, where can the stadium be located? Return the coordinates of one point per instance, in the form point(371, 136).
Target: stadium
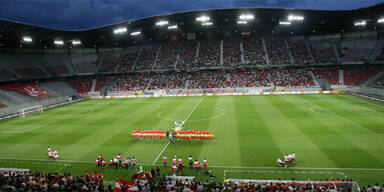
point(226, 99)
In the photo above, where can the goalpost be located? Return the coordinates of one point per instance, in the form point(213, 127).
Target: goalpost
point(36, 108)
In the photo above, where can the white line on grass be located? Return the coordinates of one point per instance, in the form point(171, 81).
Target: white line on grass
point(361, 100)
point(341, 117)
point(185, 120)
point(295, 172)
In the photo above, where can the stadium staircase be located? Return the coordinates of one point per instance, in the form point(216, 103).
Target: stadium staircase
point(221, 53)
point(93, 85)
point(289, 53)
point(372, 79)
point(266, 52)
point(309, 51)
point(314, 78)
point(341, 76)
point(242, 52)
point(376, 51)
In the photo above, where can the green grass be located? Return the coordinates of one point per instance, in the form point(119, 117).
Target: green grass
point(325, 132)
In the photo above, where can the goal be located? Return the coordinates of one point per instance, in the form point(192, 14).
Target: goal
point(25, 111)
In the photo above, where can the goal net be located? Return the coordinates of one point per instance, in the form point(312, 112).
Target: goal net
point(293, 185)
point(28, 110)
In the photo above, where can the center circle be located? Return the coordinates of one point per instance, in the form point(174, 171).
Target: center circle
point(166, 114)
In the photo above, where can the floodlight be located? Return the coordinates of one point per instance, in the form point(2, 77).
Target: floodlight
point(381, 20)
point(241, 22)
point(58, 42)
point(295, 18)
point(285, 23)
point(172, 27)
point(360, 23)
point(161, 23)
point(76, 42)
point(207, 23)
point(136, 33)
point(246, 17)
point(202, 18)
point(27, 39)
point(120, 30)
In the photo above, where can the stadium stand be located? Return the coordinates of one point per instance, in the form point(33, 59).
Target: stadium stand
point(129, 82)
point(84, 60)
point(31, 89)
point(254, 51)
point(6, 75)
point(187, 56)
point(231, 52)
point(379, 82)
point(109, 60)
point(277, 51)
point(167, 81)
point(300, 52)
point(3, 105)
point(57, 63)
point(355, 75)
point(82, 85)
point(167, 56)
point(322, 52)
point(128, 61)
point(209, 54)
point(356, 50)
point(25, 65)
point(147, 58)
point(330, 73)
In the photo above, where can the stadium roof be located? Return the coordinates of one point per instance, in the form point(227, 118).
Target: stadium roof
point(224, 24)
point(81, 15)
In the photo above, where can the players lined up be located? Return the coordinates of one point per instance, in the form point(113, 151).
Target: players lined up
point(173, 135)
point(288, 158)
point(177, 164)
point(53, 154)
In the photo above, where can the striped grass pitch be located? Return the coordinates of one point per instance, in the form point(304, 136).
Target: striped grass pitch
point(332, 135)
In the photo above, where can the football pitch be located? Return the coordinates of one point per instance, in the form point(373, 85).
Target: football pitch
point(333, 136)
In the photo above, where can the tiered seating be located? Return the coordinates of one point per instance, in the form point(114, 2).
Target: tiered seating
point(381, 55)
point(167, 81)
point(30, 73)
point(254, 51)
point(323, 53)
point(84, 62)
point(6, 75)
point(356, 50)
point(277, 51)
point(231, 52)
point(82, 85)
point(128, 61)
point(109, 61)
point(146, 59)
point(31, 89)
point(379, 83)
point(209, 54)
point(299, 52)
point(167, 56)
point(356, 75)
point(207, 79)
point(129, 82)
point(2, 105)
point(56, 63)
point(187, 54)
point(330, 73)
point(101, 81)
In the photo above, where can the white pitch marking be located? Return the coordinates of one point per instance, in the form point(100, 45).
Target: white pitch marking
point(354, 98)
point(185, 120)
point(342, 118)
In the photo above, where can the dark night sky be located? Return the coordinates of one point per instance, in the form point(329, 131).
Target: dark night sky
point(83, 14)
